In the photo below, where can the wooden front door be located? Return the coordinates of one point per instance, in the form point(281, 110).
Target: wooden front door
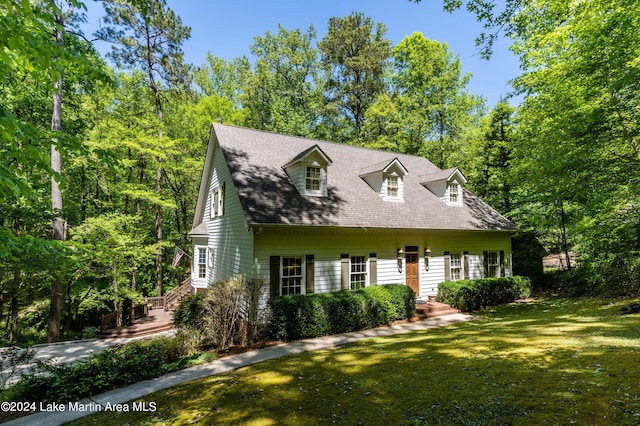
point(412, 272)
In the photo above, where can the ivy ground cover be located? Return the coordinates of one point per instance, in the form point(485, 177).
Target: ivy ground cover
point(545, 361)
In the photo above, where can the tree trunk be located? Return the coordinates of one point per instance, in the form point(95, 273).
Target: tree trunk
point(13, 331)
point(159, 173)
point(53, 333)
point(564, 235)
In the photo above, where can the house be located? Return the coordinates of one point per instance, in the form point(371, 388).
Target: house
point(314, 216)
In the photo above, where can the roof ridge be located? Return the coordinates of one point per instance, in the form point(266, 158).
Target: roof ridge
point(273, 133)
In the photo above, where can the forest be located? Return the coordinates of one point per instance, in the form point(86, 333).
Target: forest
point(102, 156)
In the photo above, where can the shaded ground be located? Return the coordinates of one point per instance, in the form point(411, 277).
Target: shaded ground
point(552, 361)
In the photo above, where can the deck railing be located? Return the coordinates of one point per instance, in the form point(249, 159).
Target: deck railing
point(139, 311)
point(169, 300)
point(177, 294)
point(108, 321)
point(155, 302)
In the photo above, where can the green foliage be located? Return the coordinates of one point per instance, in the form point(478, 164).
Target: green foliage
point(190, 311)
point(110, 369)
point(356, 53)
point(312, 315)
point(431, 96)
point(229, 312)
point(282, 93)
point(471, 295)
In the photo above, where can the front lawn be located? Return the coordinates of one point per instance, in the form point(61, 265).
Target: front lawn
point(549, 361)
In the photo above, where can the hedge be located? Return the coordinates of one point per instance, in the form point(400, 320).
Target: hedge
point(471, 295)
point(312, 315)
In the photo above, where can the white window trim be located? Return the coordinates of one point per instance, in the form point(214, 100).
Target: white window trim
point(302, 276)
point(197, 263)
point(459, 257)
point(365, 272)
point(454, 191)
point(496, 273)
point(321, 179)
point(386, 195)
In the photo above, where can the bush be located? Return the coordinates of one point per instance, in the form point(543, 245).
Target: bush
point(229, 312)
point(312, 315)
point(190, 311)
point(112, 368)
point(471, 295)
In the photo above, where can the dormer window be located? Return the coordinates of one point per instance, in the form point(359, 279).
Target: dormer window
point(387, 179)
point(447, 185)
point(314, 179)
point(308, 172)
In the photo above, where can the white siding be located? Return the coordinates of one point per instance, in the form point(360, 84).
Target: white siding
point(328, 244)
point(230, 242)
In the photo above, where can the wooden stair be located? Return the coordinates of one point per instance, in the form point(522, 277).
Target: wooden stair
point(177, 294)
point(432, 309)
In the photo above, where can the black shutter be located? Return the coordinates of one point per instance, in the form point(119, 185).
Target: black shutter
point(274, 275)
point(502, 274)
point(465, 265)
point(485, 263)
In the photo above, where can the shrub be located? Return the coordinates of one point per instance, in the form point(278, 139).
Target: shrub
point(312, 315)
point(471, 295)
point(190, 311)
point(229, 312)
point(112, 368)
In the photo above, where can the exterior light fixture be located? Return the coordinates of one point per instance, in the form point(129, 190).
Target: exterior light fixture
point(400, 256)
point(427, 255)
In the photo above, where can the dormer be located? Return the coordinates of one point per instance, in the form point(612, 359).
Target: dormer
point(308, 172)
point(446, 185)
point(387, 179)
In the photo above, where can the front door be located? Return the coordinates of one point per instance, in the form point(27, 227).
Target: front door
point(412, 272)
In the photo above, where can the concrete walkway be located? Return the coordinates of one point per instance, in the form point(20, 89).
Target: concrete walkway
point(75, 410)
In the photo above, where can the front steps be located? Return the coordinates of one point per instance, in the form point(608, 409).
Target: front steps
point(432, 309)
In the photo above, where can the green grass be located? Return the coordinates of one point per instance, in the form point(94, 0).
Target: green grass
point(550, 361)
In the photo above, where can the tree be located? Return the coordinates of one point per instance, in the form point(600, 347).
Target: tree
point(226, 80)
point(432, 97)
point(492, 155)
point(356, 54)
point(281, 94)
point(577, 140)
point(151, 41)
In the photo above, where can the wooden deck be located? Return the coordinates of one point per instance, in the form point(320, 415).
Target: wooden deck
point(158, 320)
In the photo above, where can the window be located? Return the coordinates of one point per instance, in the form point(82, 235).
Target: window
point(392, 186)
point(314, 179)
point(493, 264)
point(202, 262)
point(217, 201)
point(214, 202)
point(456, 266)
point(454, 192)
point(358, 276)
point(291, 275)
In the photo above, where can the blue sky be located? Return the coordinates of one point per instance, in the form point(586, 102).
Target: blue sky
point(227, 29)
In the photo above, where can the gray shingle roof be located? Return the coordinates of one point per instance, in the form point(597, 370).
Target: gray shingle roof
point(255, 160)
